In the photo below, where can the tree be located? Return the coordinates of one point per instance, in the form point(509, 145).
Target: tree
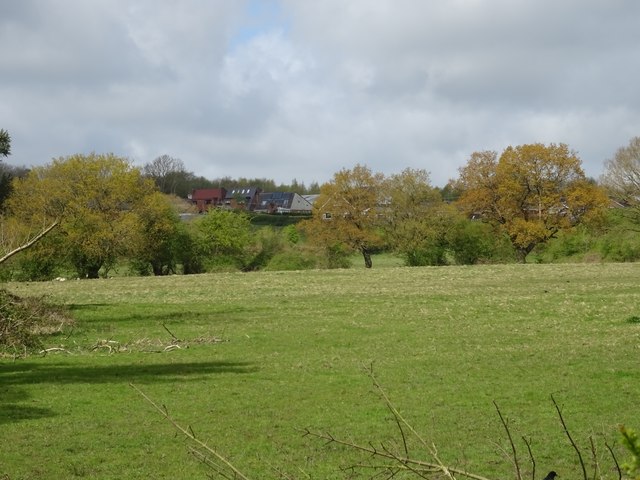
point(416, 220)
point(531, 192)
point(166, 172)
point(622, 178)
point(224, 236)
point(346, 212)
point(94, 198)
point(159, 229)
point(5, 143)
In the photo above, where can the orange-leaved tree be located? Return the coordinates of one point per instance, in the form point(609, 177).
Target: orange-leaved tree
point(346, 212)
point(531, 192)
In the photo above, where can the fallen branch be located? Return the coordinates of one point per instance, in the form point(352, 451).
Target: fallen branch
point(54, 349)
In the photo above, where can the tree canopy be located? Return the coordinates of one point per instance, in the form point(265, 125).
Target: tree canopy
point(531, 192)
point(95, 199)
point(346, 211)
point(5, 143)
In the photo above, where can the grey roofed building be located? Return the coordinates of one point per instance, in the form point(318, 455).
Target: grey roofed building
point(282, 202)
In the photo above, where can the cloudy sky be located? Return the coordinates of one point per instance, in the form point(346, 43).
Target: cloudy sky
point(286, 89)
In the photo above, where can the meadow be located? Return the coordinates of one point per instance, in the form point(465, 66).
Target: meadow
point(262, 356)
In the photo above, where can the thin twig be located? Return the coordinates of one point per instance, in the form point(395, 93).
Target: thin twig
point(379, 453)
point(176, 339)
point(533, 460)
point(594, 455)
point(513, 447)
point(615, 460)
point(189, 434)
point(573, 444)
point(400, 419)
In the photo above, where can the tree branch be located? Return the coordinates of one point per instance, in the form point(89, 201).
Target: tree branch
point(189, 434)
point(29, 242)
point(573, 444)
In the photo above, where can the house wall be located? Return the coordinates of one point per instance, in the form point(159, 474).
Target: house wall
point(299, 204)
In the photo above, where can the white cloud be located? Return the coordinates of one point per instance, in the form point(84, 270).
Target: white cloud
point(299, 88)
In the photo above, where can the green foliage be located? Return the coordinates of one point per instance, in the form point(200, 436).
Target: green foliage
point(279, 220)
point(294, 259)
point(224, 237)
point(631, 442)
point(292, 234)
point(5, 143)
point(94, 197)
point(266, 243)
point(472, 242)
point(156, 247)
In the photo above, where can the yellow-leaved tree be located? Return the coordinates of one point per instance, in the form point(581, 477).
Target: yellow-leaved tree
point(94, 198)
point(531, 192)
point(346, 212)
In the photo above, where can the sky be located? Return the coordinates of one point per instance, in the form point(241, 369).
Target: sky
point(300, 89)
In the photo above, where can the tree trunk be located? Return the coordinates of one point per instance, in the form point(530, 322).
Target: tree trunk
point(367, 257)
point(93, 271)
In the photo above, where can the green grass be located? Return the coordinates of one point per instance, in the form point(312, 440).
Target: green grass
point(445, 342)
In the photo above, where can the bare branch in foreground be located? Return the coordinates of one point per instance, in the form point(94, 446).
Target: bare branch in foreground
point(533, 460)
point(424, 466)
point(513, 447)
point(573, 444)
point(189, 434)
point(29, 242)
point(615, 460)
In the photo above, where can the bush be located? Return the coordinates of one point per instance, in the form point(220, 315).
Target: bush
point(294, 259)
point(23, 321)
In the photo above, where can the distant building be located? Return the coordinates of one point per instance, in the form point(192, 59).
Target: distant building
point(282, 202)
point(243, 198)
point(206, 198)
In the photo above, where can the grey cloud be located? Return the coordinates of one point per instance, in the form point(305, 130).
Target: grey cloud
point(299, 88)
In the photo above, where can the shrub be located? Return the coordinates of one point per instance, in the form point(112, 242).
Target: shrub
point(294, 259)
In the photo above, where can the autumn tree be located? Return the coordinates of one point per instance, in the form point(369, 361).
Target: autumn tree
point(622, 178)
point(346, 212)
point(93, 197)
point(530, 193)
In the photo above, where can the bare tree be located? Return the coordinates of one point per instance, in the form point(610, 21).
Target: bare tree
point(165, 172)
point(622, 178)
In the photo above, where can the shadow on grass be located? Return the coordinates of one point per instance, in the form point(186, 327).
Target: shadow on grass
point(15, 413)
point(15, 400)
point(29, 373)
point(161, 313)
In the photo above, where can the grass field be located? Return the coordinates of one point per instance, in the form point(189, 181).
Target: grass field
point(445, 342)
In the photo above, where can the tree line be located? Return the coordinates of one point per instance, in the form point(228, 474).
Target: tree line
point(100, 213)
